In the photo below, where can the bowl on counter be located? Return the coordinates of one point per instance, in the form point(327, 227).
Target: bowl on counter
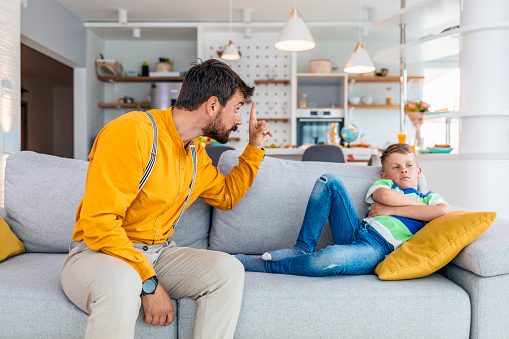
point(367, 100)
point(440, 150)
point(354, 100)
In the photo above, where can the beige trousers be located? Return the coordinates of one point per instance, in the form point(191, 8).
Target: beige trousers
point(109, 289)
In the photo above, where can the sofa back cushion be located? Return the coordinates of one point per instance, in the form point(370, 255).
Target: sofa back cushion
point(42, 194)
point(271, 213)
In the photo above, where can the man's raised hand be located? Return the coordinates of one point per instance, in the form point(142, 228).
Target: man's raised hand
point(258, 130)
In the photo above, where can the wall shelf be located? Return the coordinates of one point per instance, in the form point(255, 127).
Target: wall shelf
point(434, 47)
point(374, 106)
point(120, 105)
point(383, 79)
point(423, 15)
point(275, 119)
point(272, 81)
point(138, 79)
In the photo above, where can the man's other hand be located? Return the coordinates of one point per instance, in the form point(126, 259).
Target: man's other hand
point(158, 308)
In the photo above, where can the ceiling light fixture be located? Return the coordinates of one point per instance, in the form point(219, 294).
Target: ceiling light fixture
point(295, 35)
point(359, 61)
point(230, 52)
point(122, 16)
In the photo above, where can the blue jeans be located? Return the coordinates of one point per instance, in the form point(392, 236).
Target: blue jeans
point(358, 247)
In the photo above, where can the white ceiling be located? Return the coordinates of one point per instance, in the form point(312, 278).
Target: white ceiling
point(218, 10)
point(343, 12)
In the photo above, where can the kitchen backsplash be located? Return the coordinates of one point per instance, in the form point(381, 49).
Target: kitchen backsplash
point(260, 60)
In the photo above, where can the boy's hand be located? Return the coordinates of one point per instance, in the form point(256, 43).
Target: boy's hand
point(378, 209)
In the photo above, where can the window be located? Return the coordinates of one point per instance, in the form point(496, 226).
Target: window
point(442, 91)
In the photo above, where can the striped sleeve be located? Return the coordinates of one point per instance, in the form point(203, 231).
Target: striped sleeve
point(376, 185)
point(432, 198)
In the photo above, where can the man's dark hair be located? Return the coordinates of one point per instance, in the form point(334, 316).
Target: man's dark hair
point(395, 148)
point(210, 78)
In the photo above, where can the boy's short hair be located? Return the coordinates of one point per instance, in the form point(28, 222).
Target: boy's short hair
point(395, 148)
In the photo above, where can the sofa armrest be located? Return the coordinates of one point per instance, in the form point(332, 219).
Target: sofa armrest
point(488, 255)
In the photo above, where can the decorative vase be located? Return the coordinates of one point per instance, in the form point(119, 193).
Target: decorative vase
point(417, 119)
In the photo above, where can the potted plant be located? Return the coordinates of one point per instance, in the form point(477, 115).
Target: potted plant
point(415, 110)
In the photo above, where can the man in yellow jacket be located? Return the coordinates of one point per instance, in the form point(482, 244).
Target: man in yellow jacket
point(121, 236)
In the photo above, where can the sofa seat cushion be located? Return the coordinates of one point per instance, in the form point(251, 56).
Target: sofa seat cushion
point(32, 302)
point(282, 306)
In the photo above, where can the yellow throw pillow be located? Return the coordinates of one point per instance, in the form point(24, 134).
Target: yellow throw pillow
point(10, 245)
point(435, 245)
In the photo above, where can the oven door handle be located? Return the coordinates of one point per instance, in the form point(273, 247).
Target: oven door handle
point(321, 120)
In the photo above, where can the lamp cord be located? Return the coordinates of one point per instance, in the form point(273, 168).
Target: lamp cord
point(360, 15)
point(231, 35)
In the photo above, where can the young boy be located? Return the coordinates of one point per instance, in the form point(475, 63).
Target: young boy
point(397, 212)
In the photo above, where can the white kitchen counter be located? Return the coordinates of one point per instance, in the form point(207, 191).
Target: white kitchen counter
point(359, 154)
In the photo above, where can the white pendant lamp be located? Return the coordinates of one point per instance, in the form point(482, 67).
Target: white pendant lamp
point(359, 61)
point(295, 35)
point(230, 52)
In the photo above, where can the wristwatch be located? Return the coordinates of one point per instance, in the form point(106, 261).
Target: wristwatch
point(149, 286)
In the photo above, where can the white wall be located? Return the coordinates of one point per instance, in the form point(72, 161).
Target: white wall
point(50, 28)
point(95, 92)
point(9, 83)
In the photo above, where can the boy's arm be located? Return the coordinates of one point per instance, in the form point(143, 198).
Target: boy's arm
point(390, 197)
point(420, 212)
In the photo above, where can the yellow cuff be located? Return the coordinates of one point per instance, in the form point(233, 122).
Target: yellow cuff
point(254, 154)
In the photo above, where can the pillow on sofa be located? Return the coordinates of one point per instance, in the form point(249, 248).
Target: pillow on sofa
point(10, 245)
point(435, 245)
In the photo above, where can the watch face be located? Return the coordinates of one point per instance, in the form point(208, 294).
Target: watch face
point(149, 286)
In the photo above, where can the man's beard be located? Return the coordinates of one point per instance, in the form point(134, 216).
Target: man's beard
point(215, 131)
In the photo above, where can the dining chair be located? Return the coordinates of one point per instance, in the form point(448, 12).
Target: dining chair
point(325, 153)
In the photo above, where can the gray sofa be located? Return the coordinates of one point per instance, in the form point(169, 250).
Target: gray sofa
point(468, 298)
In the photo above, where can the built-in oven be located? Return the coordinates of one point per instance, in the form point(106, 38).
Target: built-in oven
point(314, 126)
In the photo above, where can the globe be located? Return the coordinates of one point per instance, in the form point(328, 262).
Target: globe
point(349, 132)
